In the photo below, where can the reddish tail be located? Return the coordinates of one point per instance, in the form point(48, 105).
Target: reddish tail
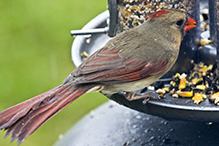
point(23, 119)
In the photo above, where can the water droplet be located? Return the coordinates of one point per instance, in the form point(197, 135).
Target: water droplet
point(138, 117)
point(158, 129)
point(142, 143)
point(88, 40)
point(164, 122)
point(151, 138)
point(171, 129)
point(146, 118)
point(134, 139)
point(209, 123)
point(146, 130)
point(126, 143)
point(134, 126)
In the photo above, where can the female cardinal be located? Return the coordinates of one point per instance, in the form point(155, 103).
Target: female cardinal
point(127, 63)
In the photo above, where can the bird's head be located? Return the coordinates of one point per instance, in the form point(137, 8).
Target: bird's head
point(173, 20)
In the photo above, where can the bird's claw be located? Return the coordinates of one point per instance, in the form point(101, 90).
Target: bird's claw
point(131, 96)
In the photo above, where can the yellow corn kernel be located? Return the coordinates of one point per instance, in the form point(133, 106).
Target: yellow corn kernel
point(177, 75)
point(183, 75)
point(132, 7)
point(210, 67)
point(204, 69)
point(136, 21)
point(172, 83)
point(160, 91)
point(204, 96)
point(159, 6)
point(201, 87)
point(84, 54)
point(198, 98)
point(215, 97)
point(193, 74)
point(128, 12)
point(195, 81)
point(205, 42)
point(182, 83)
point(166, 89)
point(185, 93)
point(175, 95)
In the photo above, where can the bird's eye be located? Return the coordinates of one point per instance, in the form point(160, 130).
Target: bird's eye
point(180, 22)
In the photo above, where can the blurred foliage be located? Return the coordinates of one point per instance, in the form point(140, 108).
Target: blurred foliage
point(35, 45)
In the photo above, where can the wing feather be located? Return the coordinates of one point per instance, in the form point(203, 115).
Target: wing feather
point(108, 66)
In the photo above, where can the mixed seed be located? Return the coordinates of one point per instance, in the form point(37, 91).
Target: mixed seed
point(202, 83)
point(132, 13)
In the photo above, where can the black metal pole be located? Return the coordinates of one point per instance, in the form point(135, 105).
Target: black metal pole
point(214, 27)
point(112, 7)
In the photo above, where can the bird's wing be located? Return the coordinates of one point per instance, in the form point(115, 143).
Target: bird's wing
point(107, 66)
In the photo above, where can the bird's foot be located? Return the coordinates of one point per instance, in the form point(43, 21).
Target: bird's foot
point(131, 96)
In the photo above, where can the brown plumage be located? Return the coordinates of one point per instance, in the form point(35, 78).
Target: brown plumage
point(127, 63)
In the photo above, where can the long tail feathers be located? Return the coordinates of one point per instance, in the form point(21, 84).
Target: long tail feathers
point(23, 119)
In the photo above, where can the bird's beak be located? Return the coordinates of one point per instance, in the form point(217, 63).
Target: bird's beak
point(191, 23)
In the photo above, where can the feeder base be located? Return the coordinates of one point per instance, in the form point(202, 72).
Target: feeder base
point(114, 125)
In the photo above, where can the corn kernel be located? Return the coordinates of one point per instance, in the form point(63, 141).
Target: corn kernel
point(185, 93)
point(183, 75)
point(201, 87)
point(182, 83)
point(210, 67)
point(195, 81)
point(173, 83)
point(160, 91)
point(175, 95)
point(205, 42)
point(151, 88)
point(166, 89)
point(198, 98)
point(84, 54)
point(215, 97)
point(177, 75)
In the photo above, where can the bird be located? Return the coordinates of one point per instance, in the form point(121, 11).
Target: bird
point(130, 61)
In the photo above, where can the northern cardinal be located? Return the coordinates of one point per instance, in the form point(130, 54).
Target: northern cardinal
point(129, 62)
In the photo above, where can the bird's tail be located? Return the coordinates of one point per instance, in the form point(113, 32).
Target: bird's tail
point(23, 119)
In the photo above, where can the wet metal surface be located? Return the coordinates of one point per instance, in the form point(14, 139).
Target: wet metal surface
point(115, 125)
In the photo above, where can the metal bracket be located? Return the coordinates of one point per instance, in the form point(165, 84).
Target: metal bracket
point(89, 31)
point(111, 29)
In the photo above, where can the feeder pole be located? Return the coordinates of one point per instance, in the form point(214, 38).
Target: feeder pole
point(214, 27)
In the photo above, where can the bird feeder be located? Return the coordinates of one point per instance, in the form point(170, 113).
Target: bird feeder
point(199, 45)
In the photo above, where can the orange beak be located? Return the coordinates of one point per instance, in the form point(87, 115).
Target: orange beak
point(190, 24)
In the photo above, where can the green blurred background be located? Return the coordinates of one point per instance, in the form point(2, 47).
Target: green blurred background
point(35, 45)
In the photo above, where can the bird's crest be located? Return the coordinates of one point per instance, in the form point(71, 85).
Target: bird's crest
point(157, 14)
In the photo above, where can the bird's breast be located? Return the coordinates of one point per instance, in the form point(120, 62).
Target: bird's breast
point(130, 86)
